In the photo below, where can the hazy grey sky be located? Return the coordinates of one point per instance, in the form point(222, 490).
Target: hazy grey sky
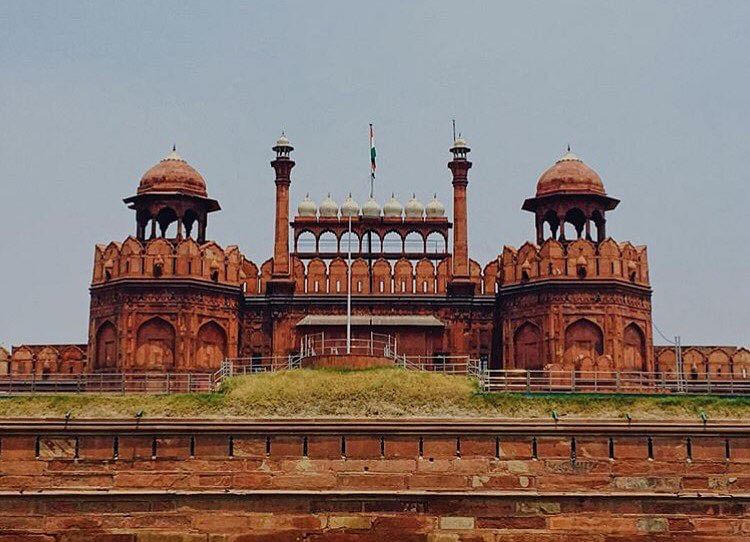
point(653, 95)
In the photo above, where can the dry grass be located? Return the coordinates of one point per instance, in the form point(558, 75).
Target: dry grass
point(370, 393)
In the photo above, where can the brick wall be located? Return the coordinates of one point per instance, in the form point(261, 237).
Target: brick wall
point(448, 481)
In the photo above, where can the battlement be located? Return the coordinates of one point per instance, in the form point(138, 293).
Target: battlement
point(43, 359)
point(578, 260)
point(402, 277)
point(167, 258)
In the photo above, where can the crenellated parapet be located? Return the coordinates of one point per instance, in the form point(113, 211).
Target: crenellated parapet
point(162, 258)
point(164, 305)
point(578, 260)
point(43, 359)
point(379, 277)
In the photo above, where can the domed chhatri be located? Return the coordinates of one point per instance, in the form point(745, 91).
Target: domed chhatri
point(371, 208)
point(393, 208)
point(435, 209)
point(569, 175)
point(328, 208)
point(307, 207)
point(414, 208)
point(173, 175)
point(349, 207)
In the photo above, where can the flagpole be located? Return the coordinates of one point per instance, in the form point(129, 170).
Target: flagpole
point(349, 292)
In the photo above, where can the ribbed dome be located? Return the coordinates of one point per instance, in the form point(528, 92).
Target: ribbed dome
point(349, 207)
point(569, 175)
point(328, 208)
point(393, 208)
point(435, 209)
point(173, 174)
point(414, 208)
point(371, 208)
point(307, 207)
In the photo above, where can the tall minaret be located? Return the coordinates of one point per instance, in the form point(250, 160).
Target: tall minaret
point(281, 279)
point(460, 285)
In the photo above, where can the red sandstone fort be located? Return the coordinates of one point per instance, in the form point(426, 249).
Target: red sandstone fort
point(168, 299)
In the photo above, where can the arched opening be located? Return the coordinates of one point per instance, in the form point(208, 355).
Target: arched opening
point(583, 339)
point(212, 346)
point(328, 242)
point(527, 347)
point(142, 218)
point(166, 218)
point(393, 243)
point(577, 219)
point(345, 244)
point(106, 347)
point(189, 220)
point(437, 243)
point(155, 345)
point(414, 242)
point(550, 225)
point(371, 243)
point(635, 349)
point(305, 242)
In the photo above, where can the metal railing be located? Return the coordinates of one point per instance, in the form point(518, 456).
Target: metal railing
point(108, 383)
point(377, 344)
point(633, 382)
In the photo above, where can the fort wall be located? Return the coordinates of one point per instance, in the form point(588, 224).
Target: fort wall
point(415, 480)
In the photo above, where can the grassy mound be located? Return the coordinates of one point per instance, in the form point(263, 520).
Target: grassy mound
point(387, 393)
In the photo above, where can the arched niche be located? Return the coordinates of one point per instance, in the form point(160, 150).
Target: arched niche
point(155, 345)
point(106, 347)
point(527, 347)
point(211, 347)
point(634, 355)
point(583, 339)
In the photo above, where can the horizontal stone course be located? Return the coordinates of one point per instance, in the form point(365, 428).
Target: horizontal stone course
point(376, 485)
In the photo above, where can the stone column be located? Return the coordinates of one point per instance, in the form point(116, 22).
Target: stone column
point(281, 280)
point(460, 284)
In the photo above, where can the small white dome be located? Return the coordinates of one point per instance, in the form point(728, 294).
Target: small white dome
point(349, 207)
point(460, 143)
point(173, 155)
point(569, 157)
point(435, 209)
point(328, 208)
point(283, 141)
point(414, 208)
point(393, 208)
point(307, 207)
point(371, 208)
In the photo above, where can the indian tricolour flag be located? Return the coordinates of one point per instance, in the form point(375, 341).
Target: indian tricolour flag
point(372, 151)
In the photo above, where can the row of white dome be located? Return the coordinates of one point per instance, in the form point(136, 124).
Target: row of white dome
point(371, 209)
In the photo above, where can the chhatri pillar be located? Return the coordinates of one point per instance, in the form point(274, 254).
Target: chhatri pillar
point(460, 284)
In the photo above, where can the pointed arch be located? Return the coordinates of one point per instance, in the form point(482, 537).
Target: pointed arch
point(211, 346)
point(635, 348)
point(425, 277)
point(583, 339)
point(403, 276)
point(527, 347)
point(106, 347)
point(155, 345)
